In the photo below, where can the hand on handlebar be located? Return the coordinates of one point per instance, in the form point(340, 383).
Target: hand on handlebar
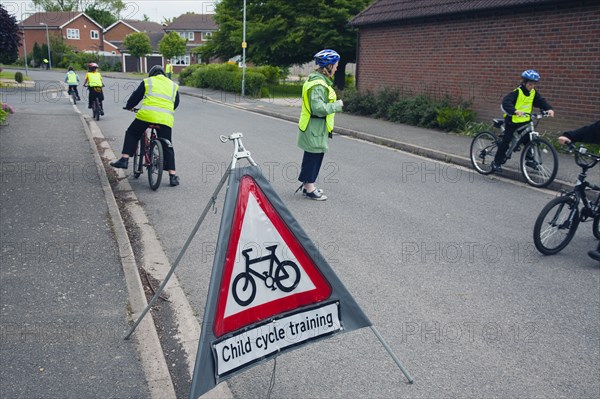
point(563, 140)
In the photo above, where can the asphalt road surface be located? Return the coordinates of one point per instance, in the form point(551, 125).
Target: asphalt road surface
point(440, 259)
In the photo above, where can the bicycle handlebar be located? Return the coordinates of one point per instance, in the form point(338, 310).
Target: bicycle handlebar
point(581, 153)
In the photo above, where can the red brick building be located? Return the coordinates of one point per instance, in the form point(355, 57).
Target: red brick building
point(197, 29)
point(115, 34)
point(75, 27)
point(475, 50)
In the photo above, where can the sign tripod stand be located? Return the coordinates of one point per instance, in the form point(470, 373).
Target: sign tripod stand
point(239, 153)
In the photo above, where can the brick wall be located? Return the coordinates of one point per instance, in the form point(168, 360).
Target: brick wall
point(480, 58)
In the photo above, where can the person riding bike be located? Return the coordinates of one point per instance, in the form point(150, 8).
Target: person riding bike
point(72, 80)
point(588, 134)
point(160, 98)
point(517, 107)
point(93, 80)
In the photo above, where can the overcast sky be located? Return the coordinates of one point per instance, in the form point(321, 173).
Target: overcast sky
point(156, 10)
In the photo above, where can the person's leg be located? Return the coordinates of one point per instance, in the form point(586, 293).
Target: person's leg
point(101, 98)
point(595, 254)
point(132, 137)
point(309, 171)
point(165, 132)
point(500, 157)
point(91, 96)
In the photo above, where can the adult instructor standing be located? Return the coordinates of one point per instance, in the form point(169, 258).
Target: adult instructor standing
point(319, 105)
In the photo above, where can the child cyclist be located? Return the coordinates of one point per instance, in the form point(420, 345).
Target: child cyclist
point(517, 107)
point(72, 80)
point(93, 80)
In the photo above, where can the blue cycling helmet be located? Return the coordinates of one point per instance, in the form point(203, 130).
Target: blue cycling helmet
point(326, 57)
point(530, 74)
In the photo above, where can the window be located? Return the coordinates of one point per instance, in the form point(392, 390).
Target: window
point(94, 34)
point(181, 60)
point(206, 36)
point(72, 33)
point(187, 35)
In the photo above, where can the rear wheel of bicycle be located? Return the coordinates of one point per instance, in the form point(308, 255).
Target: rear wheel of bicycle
point(483, 151)
point(539, 163)
point(596, 227)
point(74, 97)
point(155, 167)
point(556, 225)
point(138, 159)
point(96, 110)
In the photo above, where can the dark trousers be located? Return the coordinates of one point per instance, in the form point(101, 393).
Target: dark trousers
point(73, 88)
point(311, 164)
point(509, 133)
point(95, 92)
point(136, 130)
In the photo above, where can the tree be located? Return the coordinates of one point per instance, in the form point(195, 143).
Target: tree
point(172, 45)
point(113, 6)
point(9, 37)
point(284, 33)
point(138, 44)
point(103, 17)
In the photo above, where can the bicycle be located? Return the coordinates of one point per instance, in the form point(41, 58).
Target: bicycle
point(96, 107)
point(149, 153)
point(539, 160)
point(71, 92)
point(557, 222)
point(286, 276)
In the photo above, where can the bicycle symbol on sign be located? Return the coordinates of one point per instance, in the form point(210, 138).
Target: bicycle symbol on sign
point(286, 276)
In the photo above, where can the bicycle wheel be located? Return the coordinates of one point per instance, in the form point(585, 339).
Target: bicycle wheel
point(138, 159)
point(483, 151)
point(539, 162)
point(287, 276)
point(155, 167)
point(245, 294)
point(96, 110)
point(556, 225)
point(596, 227)
point(74, 97)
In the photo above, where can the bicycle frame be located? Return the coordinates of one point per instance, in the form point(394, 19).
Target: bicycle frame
point(272, 257)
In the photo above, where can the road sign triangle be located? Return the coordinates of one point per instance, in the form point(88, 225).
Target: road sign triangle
point(255, 287)
point(271, 291)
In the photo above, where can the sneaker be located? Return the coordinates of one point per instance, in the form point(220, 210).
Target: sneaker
point(89, 106)
point(78, 99)
point(317, 196)
point(121, 163)
point(496, 168)
point(173, 180)
point(101, 112)
point(594, 255)
point(319, 190)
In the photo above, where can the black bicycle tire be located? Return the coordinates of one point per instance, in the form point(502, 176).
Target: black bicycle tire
point(523, 162)
point(138, 159)
point(96, 110)
point(472, 155)
point(74, 97)
point(236, 297)
point(155, 164)
point(277, 278)
point(572, 228)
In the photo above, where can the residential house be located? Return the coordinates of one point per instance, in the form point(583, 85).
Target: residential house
point(476, 51)
point(74, 27)
point(197, 29)
point(115, 34)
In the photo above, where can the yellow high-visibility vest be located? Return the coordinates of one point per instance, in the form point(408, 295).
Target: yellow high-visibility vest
point(94, 79)
point(524, 104)
point(305, 114)
point(159, 101)
point(72, 78)
point(169, 68)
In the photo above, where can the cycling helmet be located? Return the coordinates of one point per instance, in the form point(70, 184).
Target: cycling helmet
point(531, 75)
point(70, 68)
point(92, 66)
point(326, 57)
point(156, 70)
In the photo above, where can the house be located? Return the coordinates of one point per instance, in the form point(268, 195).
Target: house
point(115, 34)
point(74, 27)
point(197, 29)
point(476, 50)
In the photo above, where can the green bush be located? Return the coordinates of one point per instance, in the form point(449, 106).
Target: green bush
point(19, 77)
point(186, 73)
point(226, 77)
point(118, 67)
point(454, 118)
point(359, 104)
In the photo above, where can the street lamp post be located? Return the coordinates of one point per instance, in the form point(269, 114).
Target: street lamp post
point(244, 45)
point(48, 41)
point(25, 52)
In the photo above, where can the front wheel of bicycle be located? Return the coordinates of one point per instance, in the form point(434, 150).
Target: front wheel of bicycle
point(155, 167)
point(556, 225)
point(138, 159)
point(539, 162)
point(483, 152)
